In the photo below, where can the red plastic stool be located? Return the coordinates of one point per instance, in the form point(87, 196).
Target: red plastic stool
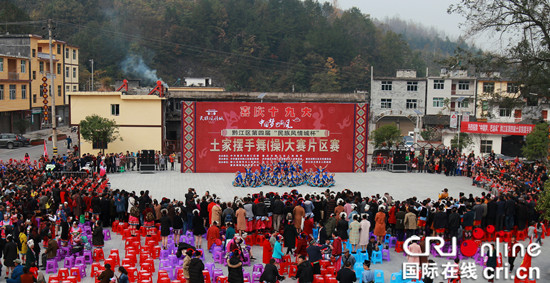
point(399, 247)
point(221, 279)
point(75, 271)
point(63, 273)
point(98, 255)
point(324, 263)
point(292, 270)
point(318, 278)
point(206, 275)
point(521, 235)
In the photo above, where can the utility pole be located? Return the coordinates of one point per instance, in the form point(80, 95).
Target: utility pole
point(92, 60)
point(52, 90)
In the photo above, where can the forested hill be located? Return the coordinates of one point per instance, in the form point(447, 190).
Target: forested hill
point(259, 45)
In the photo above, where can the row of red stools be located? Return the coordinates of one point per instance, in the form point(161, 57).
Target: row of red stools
point(66, 275)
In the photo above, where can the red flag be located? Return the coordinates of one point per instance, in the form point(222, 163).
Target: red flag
point(526, 264)
point(45, 149)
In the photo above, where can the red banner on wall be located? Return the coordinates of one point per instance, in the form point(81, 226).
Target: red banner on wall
point(227, 136)
point(496, 128)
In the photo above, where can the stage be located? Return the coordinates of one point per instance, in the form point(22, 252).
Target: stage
point(173, 184)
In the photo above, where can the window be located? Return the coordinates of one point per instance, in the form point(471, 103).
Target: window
point(74, 54)
point(1, 92)
point(439, 84)
point(462, 104)
point(13, 92)
point(58, 90)
point(438, 102)
point(488, 87)
point(75, 88)
point(67, 89)
point(67, 71)
point(59, 69)
point(115, 109)
point(34, 75)
point(41, 67)
point(486, 146)
point(512, 88)
point(1, 64)
point(411, 103)
point(485, 105)
point(385, 103)
point(24, 92)
point(504, 112)
point(412, 86)
point(67, 53)
point(34, 53)
point(463, 85)
point(34, 98)
point(23, 66)
point(386, 85)
point(58, 48)
point(74, 72)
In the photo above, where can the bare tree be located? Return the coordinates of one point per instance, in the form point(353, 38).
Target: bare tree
point(526, 24)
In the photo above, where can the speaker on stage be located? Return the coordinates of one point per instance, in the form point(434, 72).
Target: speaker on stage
point(147, 160)
point(399, 157)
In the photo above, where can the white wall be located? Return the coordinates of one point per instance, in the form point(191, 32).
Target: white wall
point(476, 138)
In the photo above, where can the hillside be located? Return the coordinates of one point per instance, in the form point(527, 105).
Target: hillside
point(256, 45)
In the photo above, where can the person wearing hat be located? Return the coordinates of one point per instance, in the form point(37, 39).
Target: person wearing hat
point(196, 266)
point(347, 257)
point(186, 261)
point(278, 250)
point(106, 275)
point(16, 272)
point(30, 257)
point(235, 267)
point(10, 254)
point(165, 225)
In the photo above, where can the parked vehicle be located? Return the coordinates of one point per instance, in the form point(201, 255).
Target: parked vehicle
point(9, 140)
point(23, 141)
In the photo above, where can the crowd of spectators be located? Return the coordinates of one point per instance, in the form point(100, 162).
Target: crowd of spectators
point(38, 207)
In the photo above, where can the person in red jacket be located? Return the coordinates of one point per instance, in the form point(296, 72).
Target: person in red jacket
point(336, 250)
point(267, 250)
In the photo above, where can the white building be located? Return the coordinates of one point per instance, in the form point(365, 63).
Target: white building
point(451, 91)
point(399, 100)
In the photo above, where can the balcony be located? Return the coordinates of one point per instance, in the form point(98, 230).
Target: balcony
point(45, 56)
point(14, 76)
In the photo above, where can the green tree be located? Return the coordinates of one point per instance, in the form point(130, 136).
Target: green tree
point(536, 143)
point(464, 142)
point(543, 204)
point(99, 131)
point(387, 135)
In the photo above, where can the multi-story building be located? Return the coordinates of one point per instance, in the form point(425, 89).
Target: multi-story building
point(451, 91)
point(14, 90)
point(37, 50)
point(399, 100)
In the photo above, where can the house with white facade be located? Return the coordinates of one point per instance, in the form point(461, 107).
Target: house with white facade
point(398, 100)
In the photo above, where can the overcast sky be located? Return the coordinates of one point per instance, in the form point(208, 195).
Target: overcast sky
point(430, 13)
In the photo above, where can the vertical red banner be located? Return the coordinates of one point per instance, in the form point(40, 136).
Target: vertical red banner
point(227, 136)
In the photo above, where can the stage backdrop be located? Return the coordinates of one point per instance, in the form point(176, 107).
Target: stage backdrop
point(227, 136)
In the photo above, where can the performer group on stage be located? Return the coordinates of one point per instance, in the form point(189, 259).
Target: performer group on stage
point(284, 173)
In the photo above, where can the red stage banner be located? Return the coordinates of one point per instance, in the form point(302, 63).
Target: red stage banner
point(227, 136)
point(496, 128)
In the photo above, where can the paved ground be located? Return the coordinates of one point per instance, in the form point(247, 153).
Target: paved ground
point(172, 184)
